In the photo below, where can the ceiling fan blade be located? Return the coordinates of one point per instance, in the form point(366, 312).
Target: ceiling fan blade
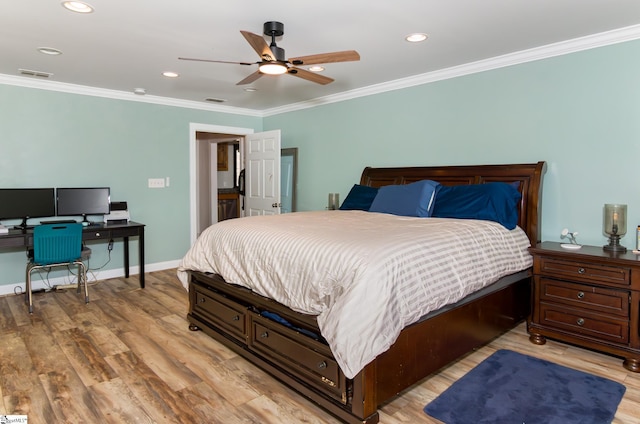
point(309, 76)
point(345, 56)
point(259, 45)
point(251, 78)
point(217, 61)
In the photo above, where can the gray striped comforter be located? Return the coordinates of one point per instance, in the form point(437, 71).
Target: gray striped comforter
point(365, 275)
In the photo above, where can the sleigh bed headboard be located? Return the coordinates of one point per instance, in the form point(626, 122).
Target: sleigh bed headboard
point(529, 177)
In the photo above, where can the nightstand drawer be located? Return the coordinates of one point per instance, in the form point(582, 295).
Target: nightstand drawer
point(600, 327)
point(597, 299)
point(584, 272)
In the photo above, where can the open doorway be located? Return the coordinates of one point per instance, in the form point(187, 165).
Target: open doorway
point(203, 178)
point(258, 154)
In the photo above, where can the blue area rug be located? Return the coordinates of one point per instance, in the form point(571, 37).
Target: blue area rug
point(512, 388)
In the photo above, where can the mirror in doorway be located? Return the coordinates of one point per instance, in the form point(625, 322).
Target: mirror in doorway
point(288, 179)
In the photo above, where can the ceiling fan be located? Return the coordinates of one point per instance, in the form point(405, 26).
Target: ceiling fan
point(273, 62)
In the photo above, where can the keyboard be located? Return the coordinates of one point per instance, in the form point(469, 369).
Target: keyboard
point(59, 221)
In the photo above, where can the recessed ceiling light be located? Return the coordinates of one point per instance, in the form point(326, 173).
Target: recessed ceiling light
point(416, 38)
point(250, 89)
point(140, 91)
point(169, 74)
point(49, 50)
point(77, 6)
point(316, 68)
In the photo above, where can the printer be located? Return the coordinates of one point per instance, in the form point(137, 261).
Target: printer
point(119, 214)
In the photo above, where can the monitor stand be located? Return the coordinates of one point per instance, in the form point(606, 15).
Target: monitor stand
point(23, 225)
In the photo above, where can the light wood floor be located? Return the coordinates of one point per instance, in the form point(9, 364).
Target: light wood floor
point(128, 357)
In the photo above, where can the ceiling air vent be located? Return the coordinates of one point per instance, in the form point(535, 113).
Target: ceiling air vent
point(214, 100)
point(31, 73)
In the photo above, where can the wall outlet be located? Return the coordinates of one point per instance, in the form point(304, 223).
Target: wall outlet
point(156, 182)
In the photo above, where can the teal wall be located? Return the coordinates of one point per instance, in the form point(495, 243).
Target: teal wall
point(52, 139)
point(579, 112)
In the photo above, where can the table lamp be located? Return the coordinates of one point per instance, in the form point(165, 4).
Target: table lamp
point(615, 226)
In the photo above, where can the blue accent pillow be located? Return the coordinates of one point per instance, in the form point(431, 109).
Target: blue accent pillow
point(491, 201)
point(415, 199)
point(359, 198)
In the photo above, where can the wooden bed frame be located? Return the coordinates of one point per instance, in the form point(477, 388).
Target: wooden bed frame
point(232, 314)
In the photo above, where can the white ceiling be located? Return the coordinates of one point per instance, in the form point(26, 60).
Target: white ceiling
point(127, 44)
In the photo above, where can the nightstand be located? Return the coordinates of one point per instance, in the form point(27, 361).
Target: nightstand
point(587, 297)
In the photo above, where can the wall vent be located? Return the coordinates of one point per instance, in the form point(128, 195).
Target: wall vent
point(32, 73)
point(214, 100)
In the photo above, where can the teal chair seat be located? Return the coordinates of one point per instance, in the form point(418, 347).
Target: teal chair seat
point(57, 245)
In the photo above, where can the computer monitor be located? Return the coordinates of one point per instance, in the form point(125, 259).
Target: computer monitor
point(25, 203)
point(83, 201)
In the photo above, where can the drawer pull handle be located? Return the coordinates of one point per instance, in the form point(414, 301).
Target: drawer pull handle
point(580, 321)
point(264, 335)
point(236, 318)
point(322, 365)
point(202, 300)
point(581, 271)
point(580, 295)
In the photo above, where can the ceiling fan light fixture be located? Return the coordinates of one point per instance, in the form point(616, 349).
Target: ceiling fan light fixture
point(273, 68)
point(77, 6)
point(416, 37)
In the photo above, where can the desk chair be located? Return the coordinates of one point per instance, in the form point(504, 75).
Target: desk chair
point(56, 245)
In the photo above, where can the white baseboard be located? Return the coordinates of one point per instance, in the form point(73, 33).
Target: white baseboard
point(19, 288)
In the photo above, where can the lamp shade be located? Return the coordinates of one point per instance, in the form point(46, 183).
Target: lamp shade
point(615, 219)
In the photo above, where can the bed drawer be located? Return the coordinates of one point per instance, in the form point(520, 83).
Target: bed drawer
point(583, 271)
point(598, 299)
point(601, 327)
point(304, 357)
point(221, 311)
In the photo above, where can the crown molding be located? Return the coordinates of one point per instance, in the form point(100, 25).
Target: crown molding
point(616, 36)
point(84, 90)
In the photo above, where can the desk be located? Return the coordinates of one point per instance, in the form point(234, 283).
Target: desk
point(98, 231)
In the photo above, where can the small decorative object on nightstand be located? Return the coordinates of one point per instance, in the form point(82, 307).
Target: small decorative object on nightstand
point(334, 201)
point(573, 244)
point(615, 226)
point(588, 297)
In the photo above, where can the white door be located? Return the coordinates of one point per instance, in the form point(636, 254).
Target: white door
point(262, 170)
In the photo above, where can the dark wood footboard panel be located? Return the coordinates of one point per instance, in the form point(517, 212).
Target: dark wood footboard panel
point(231, 315)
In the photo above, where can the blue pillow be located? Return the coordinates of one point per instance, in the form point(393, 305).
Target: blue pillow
point(415, 199)
point(359, 198)
point(491, 201)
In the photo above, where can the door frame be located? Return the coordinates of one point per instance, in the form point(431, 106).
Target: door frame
point(193, 161)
